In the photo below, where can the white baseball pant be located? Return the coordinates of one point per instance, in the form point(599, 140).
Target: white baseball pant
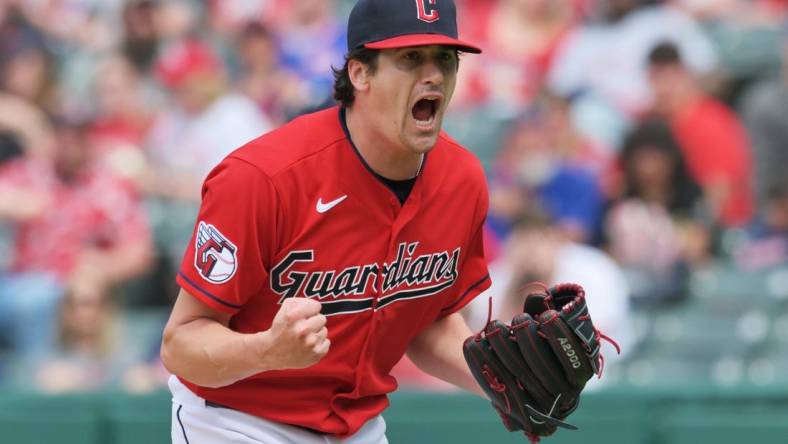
point(193, 422)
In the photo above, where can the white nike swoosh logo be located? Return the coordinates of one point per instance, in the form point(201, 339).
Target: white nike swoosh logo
point(323, 207)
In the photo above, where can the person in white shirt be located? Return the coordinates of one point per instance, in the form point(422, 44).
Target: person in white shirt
point(537, 251)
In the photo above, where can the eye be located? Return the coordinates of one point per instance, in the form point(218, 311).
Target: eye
point(412, 56)
point(447, 58)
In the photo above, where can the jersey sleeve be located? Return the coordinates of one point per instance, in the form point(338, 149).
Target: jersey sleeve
point(228, 258)
point(473, 275)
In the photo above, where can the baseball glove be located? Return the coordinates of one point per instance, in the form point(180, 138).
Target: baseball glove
point(534, 369)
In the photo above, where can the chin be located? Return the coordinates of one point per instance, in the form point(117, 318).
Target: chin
point(421, 141)
point(422, 144)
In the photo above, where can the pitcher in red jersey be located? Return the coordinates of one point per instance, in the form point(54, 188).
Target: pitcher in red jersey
point(327, 249)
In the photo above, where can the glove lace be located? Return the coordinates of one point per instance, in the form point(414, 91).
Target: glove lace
point(496, 385)
point(599, 337)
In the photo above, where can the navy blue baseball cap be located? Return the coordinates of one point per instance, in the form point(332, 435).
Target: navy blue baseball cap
point(386, 24)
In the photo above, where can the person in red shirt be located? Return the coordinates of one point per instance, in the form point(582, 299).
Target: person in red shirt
point(521, 38)
point(76, 228)
point(712, 138)
point(327, 249)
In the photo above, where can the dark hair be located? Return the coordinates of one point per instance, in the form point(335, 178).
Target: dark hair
point(255, 29)
point(10, 147)
point(532, 217)
point(344, 92)
point(656, 134)
point(664, 53)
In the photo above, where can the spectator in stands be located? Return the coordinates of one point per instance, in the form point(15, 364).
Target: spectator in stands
point(92, 232)
point(276, 91)
point(519, 38)
point(140, 33)
point(538, 251)
point(766, 114)
point(545, 160)
point(123, 117)
point(712, 139)
point(206, 121)
point(601, 64)
point(83, 230)
point(27, 300)
point(28, 72)
point(656, 229)
point(93, 350)
point(312, 40)
point(628, 31)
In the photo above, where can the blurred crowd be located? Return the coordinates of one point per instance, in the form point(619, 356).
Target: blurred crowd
point(628, 144)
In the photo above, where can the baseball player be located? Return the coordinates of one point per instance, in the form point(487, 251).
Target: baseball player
point(327, 249)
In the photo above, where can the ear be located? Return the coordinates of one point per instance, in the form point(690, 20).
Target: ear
point(359, 75)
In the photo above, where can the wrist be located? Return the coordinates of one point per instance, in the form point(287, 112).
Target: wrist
point(258, 344)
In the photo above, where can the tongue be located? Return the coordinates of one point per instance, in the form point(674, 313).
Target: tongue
point(422, 110)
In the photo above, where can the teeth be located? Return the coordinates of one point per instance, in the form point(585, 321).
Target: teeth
point(426, 122)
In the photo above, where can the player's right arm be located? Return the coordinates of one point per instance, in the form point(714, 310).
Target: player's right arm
point(199, 346)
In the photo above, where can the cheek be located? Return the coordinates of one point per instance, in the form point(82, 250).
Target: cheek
point(392, 102)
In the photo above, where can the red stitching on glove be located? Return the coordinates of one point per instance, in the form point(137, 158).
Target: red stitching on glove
point(496, 385)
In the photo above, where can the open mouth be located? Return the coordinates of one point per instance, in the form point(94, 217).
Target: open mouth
point(425, 110)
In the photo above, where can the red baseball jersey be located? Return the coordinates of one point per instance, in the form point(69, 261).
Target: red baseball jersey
point(298, 213)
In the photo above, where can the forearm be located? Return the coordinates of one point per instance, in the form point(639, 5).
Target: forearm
point(209, 354)
point(438, 352)
point(198, 345)
point(99, 269)
point(128, 261)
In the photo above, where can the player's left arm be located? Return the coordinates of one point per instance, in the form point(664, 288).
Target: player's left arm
point(438, 352)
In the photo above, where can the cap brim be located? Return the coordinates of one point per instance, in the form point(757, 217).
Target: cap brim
point(404, 41)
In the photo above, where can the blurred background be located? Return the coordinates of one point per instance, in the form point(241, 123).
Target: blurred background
point(637, 147)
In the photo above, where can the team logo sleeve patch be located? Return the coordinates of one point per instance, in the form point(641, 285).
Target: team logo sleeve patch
point(215, 256)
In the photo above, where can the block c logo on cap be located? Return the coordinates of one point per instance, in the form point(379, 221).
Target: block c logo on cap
point(428, 11)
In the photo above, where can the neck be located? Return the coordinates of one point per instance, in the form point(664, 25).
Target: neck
point(659, 195)
point(389, 159)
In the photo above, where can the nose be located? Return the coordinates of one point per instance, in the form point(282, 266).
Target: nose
point(432, 73)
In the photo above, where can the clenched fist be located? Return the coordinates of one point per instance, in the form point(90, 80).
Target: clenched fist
point(298, 336)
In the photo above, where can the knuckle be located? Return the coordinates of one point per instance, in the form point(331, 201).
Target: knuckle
point(310, 340)
point(298, 327)
point(313, 306)
point(301, 331)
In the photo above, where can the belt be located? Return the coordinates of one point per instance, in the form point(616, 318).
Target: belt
point(217, 405)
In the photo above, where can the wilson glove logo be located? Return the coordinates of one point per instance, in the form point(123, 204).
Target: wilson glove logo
point(570, 352)
point(215, 256)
